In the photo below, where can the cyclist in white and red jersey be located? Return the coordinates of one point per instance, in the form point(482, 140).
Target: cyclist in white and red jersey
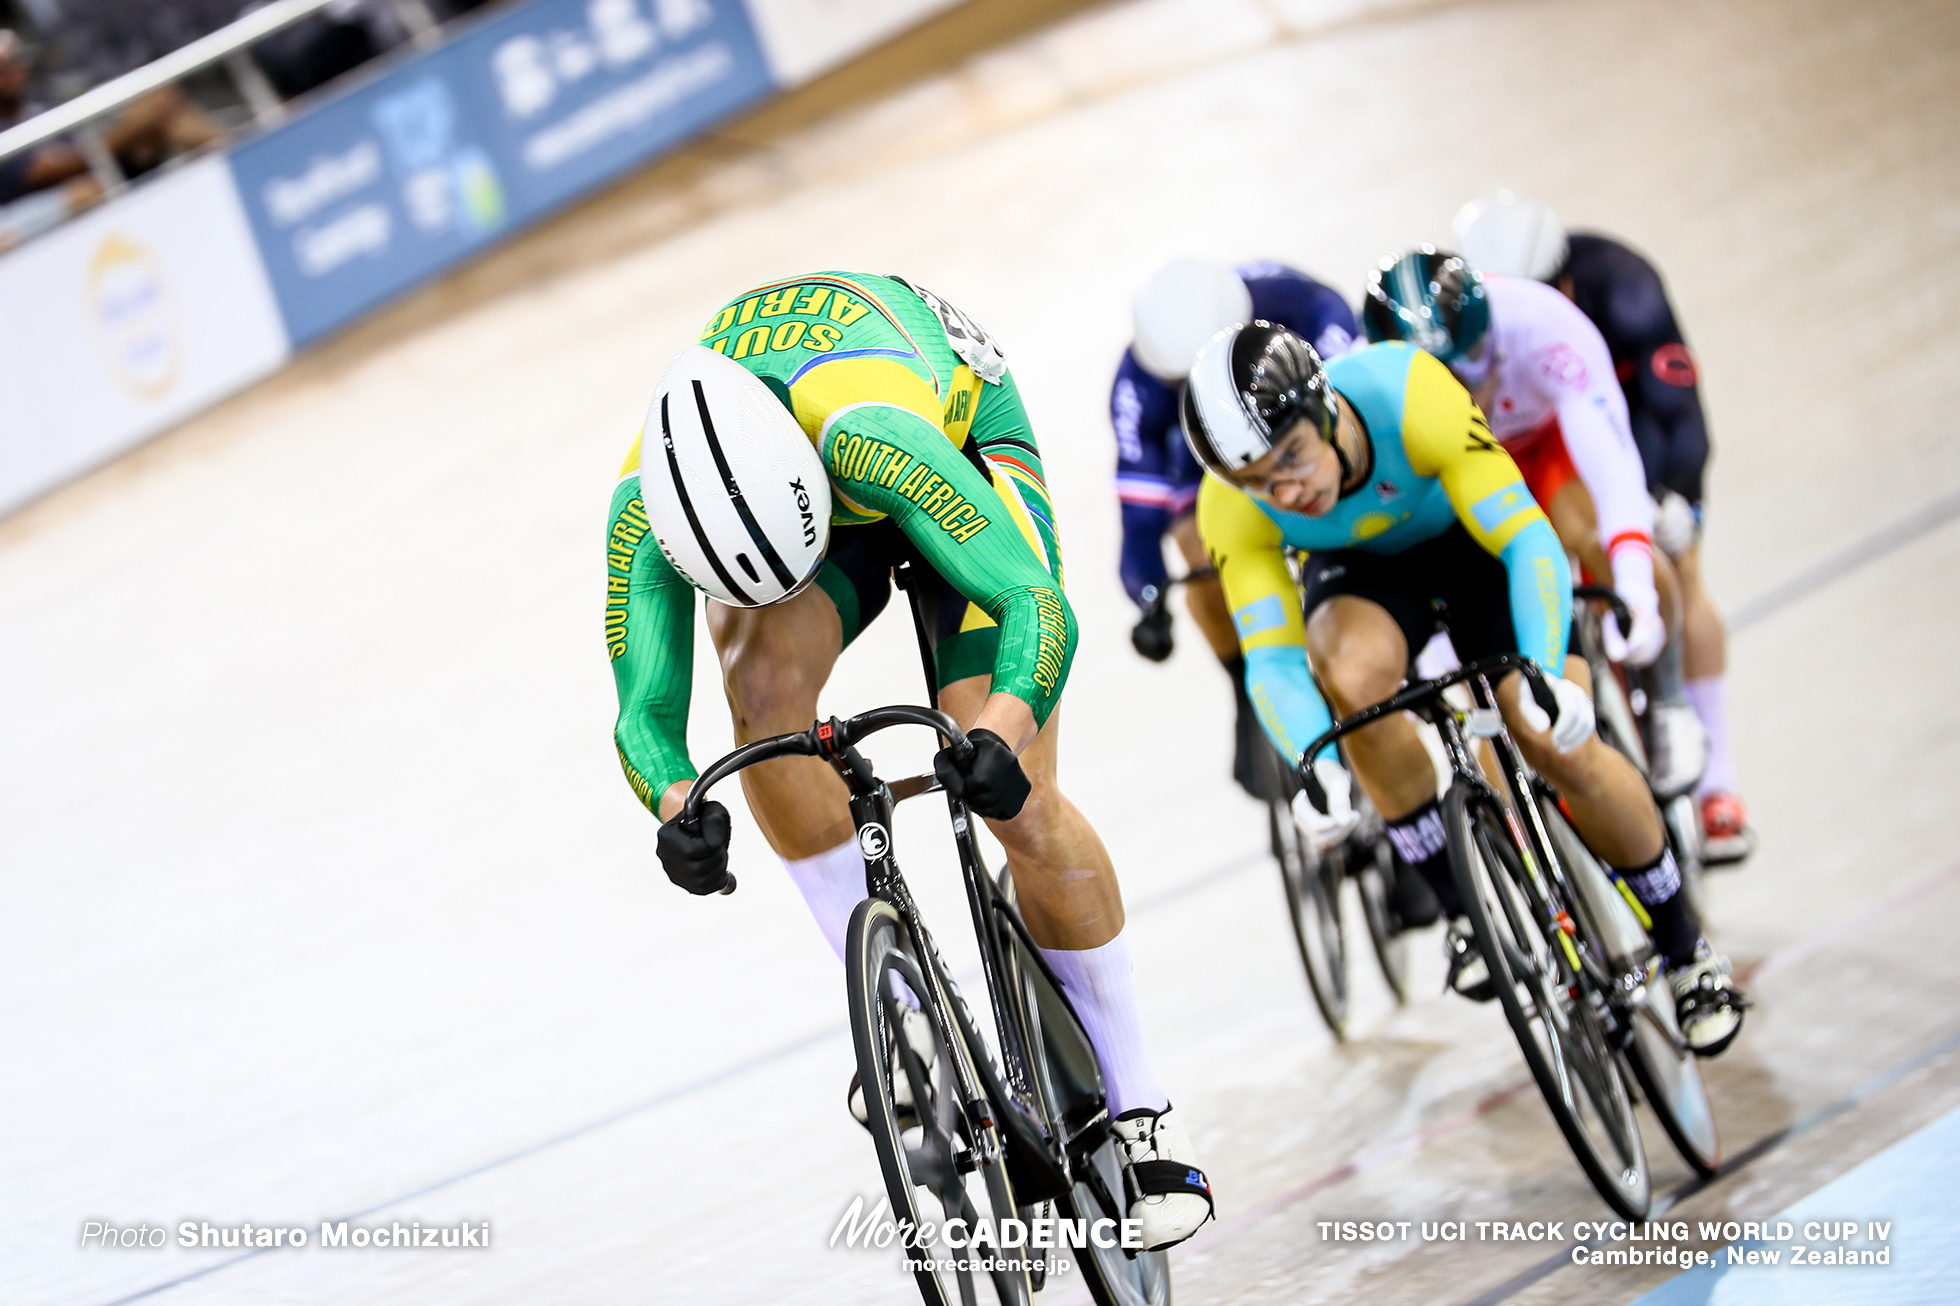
point(1541, 373)
point(1622, 292)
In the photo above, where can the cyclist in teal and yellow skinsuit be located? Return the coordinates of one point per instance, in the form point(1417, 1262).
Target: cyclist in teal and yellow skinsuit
point(825, 429)
point(1380, 468)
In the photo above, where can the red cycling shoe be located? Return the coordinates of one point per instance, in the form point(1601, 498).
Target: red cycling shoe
point(1725, 834)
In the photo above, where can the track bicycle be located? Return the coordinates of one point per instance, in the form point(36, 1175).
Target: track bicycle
point(963, 1134)
point(1313, 883)
point(1575, 973)
point(1620, 705)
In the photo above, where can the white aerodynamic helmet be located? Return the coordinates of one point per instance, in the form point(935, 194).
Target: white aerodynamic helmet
point(1180, 308)
point(737, 497)
point(1511, 235)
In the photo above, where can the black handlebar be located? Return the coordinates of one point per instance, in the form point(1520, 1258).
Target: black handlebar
point(1156, 596)
point(832, 738)
point(1421, 691)
point(1610, 597)
point(823, 738)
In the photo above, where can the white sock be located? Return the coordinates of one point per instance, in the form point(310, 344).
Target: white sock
point(833, 884)
point(1101, 985)
point(1710, 696)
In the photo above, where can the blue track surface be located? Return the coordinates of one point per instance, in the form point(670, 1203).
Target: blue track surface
point(1914, 1184)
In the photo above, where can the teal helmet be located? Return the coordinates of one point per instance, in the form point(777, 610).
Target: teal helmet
point(1430, 298)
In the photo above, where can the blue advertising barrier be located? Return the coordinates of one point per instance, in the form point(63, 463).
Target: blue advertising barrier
point(382, 188)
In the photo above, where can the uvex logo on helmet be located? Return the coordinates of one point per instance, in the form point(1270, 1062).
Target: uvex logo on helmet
point(803, 506)
point(736, 495)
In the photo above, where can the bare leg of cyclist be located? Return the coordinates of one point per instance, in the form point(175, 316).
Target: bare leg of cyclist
point(1614, 814)
point(774, 660)
point(1067, 888)
point(1073, 905)
point(1707, 651)
point(1062, 872)
point(1359, 656)
point(1205, 599)
point(1610, 805)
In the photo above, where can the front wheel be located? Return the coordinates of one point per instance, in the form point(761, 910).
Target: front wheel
point(938, 1164)
point(1549, 1001)
point(1313, 900)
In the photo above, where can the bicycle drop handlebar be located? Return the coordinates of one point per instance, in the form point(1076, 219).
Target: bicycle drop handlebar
point(1610, 597)
point(832, 738)
point(1151, 636)
point(1421, 691)
point(823, 738)
point(1156, 596)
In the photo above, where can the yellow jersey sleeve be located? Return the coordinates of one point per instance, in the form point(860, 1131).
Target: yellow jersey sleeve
point(1445, 436)
point(1245, 549)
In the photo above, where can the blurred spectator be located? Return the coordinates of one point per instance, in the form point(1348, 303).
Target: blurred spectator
point(42, 185)
point(342, 37)
point(102, 39)
point(87, 42)
point(39, 187)
point(338, 39)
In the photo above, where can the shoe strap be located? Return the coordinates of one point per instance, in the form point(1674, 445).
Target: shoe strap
point(1162, 1178)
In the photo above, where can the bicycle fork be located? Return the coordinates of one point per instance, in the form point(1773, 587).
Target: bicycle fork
point(871, 815)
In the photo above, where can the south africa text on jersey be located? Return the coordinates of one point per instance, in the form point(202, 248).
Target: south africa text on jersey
point(628, 529)
point(1051, 642)
point(821, 302)
point(873, 462)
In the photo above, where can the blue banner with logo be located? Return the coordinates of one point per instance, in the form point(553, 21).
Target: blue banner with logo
point(381, 188)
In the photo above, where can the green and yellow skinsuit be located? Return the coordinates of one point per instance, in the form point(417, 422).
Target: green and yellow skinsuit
point(922, 430)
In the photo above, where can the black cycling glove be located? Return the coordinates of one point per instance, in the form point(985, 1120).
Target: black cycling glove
point(988, 779)
point(695, 854)
point(1152, 633)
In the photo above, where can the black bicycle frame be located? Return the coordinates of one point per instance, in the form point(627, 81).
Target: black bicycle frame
point(872, 803)
point(982, 895)
point(1425, 698)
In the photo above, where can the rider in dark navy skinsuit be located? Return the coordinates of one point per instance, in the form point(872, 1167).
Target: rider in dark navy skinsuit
point(1156, 478)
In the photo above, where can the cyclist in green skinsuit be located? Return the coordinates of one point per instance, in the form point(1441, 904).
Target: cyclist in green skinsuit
point(825, 429)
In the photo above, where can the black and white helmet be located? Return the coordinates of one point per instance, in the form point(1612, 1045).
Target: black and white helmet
point(1246, 389)
point(736, 494)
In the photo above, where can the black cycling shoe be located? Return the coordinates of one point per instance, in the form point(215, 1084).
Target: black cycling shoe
point(1412, 903)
